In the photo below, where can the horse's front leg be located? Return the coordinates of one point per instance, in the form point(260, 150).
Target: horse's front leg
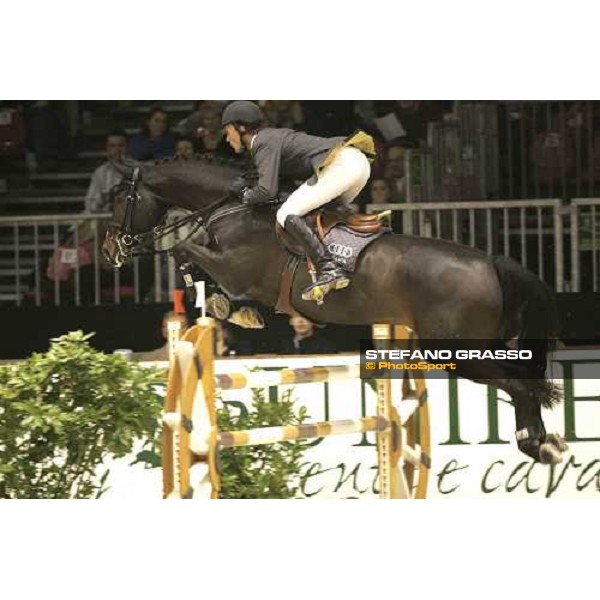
point(209, 260)
point(218, 264)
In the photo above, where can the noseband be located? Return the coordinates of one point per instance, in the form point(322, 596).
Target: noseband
point(125, 237)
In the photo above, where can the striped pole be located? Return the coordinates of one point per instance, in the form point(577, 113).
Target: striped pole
point(258, 379)
point(273, 435)
point(286, 433)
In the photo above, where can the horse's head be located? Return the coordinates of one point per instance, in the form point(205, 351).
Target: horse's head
point(136, 212)
point(148, 190)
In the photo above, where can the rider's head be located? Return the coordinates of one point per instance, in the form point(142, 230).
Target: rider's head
point(241, 120)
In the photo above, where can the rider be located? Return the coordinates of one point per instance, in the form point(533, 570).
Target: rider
point(331, 167)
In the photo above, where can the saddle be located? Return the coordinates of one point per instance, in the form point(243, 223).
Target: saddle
point(322, 221)
point(345, 233)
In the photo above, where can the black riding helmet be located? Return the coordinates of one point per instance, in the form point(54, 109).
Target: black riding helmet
point(242, 111)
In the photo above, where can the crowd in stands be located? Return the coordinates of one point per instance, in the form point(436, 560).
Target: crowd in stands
point(540, 144)
point(45, 134)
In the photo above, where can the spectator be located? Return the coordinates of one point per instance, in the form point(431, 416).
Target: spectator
point(106, 176)
point(155, 141)
point(210, 134)
point(184, 148)
point(232, 341)
point(188, 126)
point(305, 339)
point(395, 171)
point(380, 192)
point(204, 125)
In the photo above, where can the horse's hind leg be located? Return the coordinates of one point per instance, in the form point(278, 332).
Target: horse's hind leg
point(528, 397)
point(531, 434)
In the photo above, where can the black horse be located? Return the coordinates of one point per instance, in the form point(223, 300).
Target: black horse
point(439, 289)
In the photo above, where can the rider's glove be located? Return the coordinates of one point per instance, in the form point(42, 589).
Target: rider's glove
point(257, 196)
point(251, 199)
point(238, 186)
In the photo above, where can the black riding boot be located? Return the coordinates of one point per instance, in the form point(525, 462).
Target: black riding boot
point(330, 276)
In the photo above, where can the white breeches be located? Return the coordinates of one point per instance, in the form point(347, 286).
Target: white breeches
point(345, 177)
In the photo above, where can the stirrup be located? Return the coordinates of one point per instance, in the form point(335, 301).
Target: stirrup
point(319, 289)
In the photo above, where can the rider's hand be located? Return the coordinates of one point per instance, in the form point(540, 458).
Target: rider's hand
point(250, 200)
point(238, 186)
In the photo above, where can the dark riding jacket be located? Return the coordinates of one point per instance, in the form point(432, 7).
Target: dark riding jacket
point(285, 154)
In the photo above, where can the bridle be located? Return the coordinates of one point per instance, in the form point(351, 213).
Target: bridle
point(131, 244)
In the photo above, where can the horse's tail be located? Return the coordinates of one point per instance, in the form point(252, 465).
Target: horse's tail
point(530, 312)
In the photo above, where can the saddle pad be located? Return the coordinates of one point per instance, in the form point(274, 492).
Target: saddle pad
point(346, 245)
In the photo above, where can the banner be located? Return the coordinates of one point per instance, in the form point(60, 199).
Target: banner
point(474, 453)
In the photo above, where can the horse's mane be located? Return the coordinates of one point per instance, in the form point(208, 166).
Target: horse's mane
point(208, 172)
point(206, 158)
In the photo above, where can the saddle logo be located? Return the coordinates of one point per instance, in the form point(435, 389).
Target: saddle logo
point(340, 250)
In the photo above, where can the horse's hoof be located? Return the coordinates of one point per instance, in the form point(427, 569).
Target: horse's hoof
point(549, 454)
point(557, 441)
point(247, 317)
point(218, 306)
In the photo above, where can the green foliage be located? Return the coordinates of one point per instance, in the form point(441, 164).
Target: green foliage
point(62, 413)
point(269, 471)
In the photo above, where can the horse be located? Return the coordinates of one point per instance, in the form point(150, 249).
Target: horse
point(439, 289)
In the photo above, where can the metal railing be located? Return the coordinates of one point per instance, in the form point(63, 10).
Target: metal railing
point(533, 232)
point(584, 229)
point(56, 260)
point(529, 231)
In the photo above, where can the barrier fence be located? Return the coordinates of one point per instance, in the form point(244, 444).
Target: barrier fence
point(191, 439)
point(529, 231)
point(56, 260)
point(584, 217)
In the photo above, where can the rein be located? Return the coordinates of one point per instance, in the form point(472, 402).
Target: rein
point(130, 244)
